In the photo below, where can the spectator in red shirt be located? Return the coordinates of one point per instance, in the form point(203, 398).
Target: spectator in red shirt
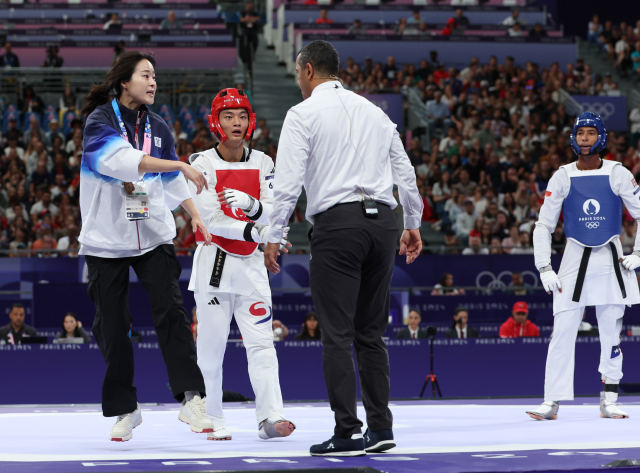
point(324, 18)
point(452, 25)
point(440, 73)
point(518, 325)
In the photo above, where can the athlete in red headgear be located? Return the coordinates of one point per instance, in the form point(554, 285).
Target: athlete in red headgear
point(228, 278)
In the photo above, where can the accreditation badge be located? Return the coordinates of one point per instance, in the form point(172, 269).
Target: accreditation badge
point(136, 204)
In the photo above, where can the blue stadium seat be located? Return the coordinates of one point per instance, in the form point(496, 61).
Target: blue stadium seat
point(203, 112)
point(48, 116)
point(67, 118)
point(9, 116)
point(189, 127)
point(28, 117)
point(166, 113)
point(185, 113)
point(164, 109)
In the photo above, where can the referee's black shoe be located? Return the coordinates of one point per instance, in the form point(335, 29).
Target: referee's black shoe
point(337, 447)
point(378, 441)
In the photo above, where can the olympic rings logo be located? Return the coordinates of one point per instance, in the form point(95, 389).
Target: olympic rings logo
point(592, 225)
point(605, 110)
point(496, 282)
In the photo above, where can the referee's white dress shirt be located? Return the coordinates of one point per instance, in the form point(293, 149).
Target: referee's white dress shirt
point(318, 146)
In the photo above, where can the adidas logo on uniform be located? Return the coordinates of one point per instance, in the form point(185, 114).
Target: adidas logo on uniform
point(214, 301)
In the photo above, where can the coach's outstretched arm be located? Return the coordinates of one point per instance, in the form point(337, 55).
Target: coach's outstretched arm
point(106, 153)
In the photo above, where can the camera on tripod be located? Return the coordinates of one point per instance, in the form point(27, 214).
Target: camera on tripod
point(431, 334)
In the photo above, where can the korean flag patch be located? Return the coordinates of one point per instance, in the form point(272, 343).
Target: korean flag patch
point(158, 141)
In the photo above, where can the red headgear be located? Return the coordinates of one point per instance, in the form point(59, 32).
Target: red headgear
point(230, 98)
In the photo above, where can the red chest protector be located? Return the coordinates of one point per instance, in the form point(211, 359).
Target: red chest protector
point(247, 181)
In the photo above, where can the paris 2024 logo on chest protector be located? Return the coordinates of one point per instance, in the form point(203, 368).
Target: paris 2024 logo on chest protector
point(591, 208)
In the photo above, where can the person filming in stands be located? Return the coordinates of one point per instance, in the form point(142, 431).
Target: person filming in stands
point(348, 154)
point(412, 330)
point(589, 192)
point(460, 327)
point(131, 181)
point(228, 278)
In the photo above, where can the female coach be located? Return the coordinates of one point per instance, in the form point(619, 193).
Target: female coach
point(131, 180)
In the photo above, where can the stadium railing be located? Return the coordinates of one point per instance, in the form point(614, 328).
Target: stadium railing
point(189, 87)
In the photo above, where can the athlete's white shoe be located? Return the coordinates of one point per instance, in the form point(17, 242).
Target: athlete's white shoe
point(123, 429)
point(547, 410)
point(194, 413)
point(220, 431)
point(609, 406)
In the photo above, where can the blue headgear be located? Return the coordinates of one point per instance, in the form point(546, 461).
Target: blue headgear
point(592, 120)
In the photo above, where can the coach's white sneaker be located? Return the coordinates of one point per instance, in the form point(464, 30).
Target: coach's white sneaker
point(123, 430)
point(220, 431)
point(547, 410)
point(194, 413)
point(609, 406)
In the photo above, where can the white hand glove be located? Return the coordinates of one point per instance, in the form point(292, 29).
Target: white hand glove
point(238, 199)
point(550, 281)
point(260, 234)
point(632, 261)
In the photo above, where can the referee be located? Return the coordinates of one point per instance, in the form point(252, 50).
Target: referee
point(348, 154)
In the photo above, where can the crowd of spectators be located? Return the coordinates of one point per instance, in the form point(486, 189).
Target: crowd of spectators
point(621, 44)
point(456, 25)
point(497, 133)
point(40, 180)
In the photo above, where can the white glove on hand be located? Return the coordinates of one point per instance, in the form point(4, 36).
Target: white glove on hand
point(260, 234)
point(238, 199)
point(550, 281)
point(632, 261)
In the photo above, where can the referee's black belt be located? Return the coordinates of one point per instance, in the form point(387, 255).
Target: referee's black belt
point(582, 271)
point(355, 202)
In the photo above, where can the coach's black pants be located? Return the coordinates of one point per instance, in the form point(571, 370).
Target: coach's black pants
point(351, 266)
point(158, 271)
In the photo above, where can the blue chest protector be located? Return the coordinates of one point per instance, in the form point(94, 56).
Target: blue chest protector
point(592, 212)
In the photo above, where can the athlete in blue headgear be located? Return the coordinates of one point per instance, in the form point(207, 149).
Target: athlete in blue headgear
point(589, 192)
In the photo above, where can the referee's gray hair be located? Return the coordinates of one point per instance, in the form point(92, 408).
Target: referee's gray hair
point(322, 56)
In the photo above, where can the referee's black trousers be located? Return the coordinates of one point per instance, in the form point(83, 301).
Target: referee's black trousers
point(158, 271)
point(351, 266)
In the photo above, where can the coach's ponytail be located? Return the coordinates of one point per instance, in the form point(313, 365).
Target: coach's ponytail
point(121, 71)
